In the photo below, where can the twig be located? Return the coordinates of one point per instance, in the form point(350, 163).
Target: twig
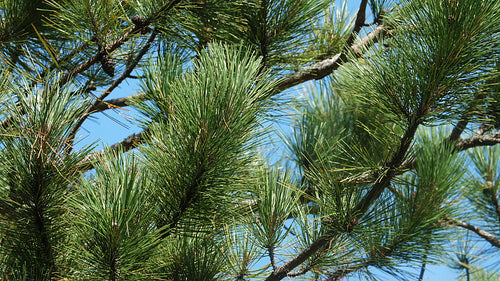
point(491, 238)
point(113, 86)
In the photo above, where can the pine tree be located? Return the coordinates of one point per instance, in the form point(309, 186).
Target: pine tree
point(389, 151)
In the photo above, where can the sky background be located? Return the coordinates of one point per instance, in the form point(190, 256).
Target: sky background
point(115, 125)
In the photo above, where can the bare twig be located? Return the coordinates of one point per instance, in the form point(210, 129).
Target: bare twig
point(113, 86)
point(491, 238)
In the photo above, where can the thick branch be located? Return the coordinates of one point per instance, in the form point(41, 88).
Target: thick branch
point(325, 67)
point(491, 238)
point(478, 140)
point(458, 130)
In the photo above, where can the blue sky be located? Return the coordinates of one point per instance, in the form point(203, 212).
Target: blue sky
point(104, 130)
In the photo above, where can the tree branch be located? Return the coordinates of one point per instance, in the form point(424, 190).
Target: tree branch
point(359, 23)
point(362, 207)
point(491, 238)
point(478, 140)
point(117, 43)
point(316, 71)
point(125, 145)
point(116, 103)
point(270, 250)
point(458, 130)
point(325, 67)
point(115, 84)
point(282, 271)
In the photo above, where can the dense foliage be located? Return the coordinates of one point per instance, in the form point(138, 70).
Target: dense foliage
point(389, 153)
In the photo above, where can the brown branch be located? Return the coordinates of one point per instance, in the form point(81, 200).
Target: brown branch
point(491, 238)
point(315, 71)
point(325, 67)
point(359, 23)
point(360, 209)
point(117, 43)
point(270, 250)
point(478, 140)
point(393, 165)
point(282, 271)
point(117, 103)
point(458, 130)
point(125, 145)
point(113, 86)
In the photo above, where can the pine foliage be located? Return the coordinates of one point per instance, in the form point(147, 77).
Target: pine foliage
point(392, 154)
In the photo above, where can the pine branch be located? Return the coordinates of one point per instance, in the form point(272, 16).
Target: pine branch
point(478, 140)
point(491, 238)
point(117, 43)
point(393, 165)
point(316, 71)
point(325, 67)
point(270, 250)
point(114, 85)
point(125, 145)
point(374, 258)
point(361, 208)
point(282, 271)
point(458, 130)
point(116, 103)
point(359, 23)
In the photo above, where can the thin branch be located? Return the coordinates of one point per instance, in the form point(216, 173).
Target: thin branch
point(362, 207)
point(117, 43)
point(316, 71)
point(491, 238)
point(125, 145)
point(484, 128)
point(282, 271)
point(393, 165)
point(374, 257)
point(270, 251)
point(359, 23)
point(115, 84)
point(117, 103)
point(340, 273)
point(309, 266)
